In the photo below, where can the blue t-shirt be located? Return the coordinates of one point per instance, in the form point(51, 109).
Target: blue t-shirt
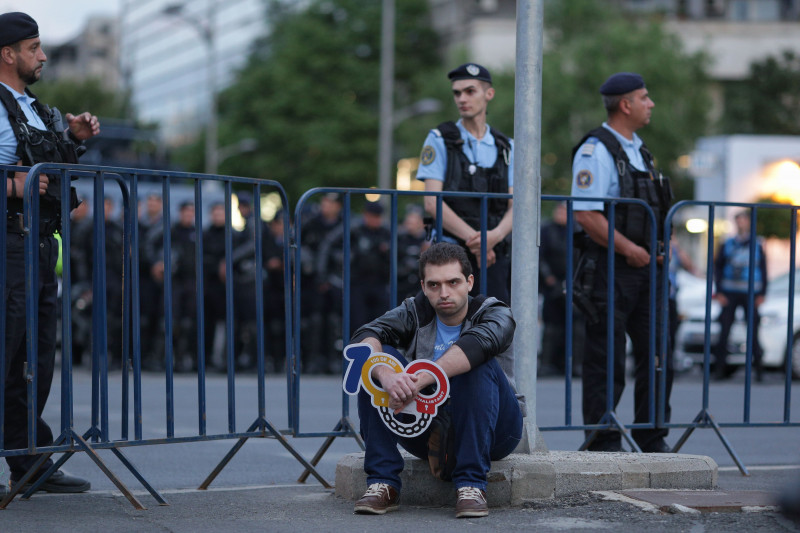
point(446, 336)
point(594, 173)
point(433, 161)
point(8, 142)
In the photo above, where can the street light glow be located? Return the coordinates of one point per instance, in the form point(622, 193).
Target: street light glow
point(696, 225)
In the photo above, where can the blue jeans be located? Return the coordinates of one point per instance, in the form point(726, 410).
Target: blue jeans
point(486, 419)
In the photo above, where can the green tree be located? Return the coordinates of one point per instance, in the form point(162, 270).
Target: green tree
point(587, 40)
point(768, 101)
point(71, 96)
point(309, 93)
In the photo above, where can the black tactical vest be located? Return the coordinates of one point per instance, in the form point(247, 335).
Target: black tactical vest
point(462, 175)
point(40, 146)
point(650, 186)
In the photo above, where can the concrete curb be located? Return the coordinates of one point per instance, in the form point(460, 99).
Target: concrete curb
point(522, 477)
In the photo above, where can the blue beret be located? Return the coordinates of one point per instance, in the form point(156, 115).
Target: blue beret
point(16, 27)
point(621, 83)
point(470, 71)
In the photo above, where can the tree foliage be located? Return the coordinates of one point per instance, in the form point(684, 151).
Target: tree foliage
point(310, 92)
point(768, 101)
point(587, 40)
point(72, 96)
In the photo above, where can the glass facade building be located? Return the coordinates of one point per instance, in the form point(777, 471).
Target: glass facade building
point(169, 51)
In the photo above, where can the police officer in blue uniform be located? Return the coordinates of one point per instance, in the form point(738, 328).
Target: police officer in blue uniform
point(471, 156)
point(612, 161)
point(31, 133)
point(732, 276)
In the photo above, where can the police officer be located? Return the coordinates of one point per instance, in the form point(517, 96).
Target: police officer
point(732, 276)
point(612, 161)
point(470, 156)
point(31, 133)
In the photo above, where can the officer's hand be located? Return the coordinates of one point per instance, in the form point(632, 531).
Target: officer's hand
point(723, 301)
point(221, 271)
point(157, 271)
point(44, 181)
point(637, 257)
point(83, 126)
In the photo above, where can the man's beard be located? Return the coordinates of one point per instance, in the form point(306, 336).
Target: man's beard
point(29, 77)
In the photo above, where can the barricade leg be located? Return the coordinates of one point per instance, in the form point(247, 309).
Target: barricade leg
point(265, 426)
point(21, 483)
point(613, 422)
point(135, 471)
point(344, 424)
point(704, 420)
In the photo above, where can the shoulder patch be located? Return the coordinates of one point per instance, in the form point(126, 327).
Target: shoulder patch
point(428, 155)
point(584, 179)
point(588, 147)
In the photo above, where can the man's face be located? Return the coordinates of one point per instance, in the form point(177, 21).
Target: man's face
point(742, 224)
point(641, 106)
point(448, 291)
point(218, 216)
point(471, 97)
point(154, 207)
point(30, 60)
point(187, 216)
point(373, 220)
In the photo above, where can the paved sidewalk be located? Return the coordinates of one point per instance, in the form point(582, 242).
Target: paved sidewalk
point(304, 508)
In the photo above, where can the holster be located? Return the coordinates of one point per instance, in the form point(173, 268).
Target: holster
point(583, 283)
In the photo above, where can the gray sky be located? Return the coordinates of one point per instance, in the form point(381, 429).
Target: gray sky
point(59, 20)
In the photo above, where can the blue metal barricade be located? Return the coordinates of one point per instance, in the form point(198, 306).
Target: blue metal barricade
point(98, 436)
point(704, 418)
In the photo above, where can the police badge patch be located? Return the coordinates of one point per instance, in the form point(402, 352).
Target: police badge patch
point(584, 179)
point(428, 155)
point(473, 70)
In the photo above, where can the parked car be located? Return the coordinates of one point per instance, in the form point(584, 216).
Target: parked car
point(690, 338)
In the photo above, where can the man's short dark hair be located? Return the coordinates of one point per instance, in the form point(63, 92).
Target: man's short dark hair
point(444, 253)
point(611, 101)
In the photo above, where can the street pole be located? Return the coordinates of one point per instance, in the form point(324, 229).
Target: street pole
point(386, 126)
point(527, 207)
point(211, 130)
point(206, 32)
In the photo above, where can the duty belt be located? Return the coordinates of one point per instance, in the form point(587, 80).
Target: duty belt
point(15, 224)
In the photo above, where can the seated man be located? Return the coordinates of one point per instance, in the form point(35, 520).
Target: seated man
point(471, 340)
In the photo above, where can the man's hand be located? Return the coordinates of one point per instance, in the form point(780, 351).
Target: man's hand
point(19, 185)
point(401, 387)
point(83, 126)
point(721, 298)
point(157, 271)
point(758, 300)
point(637, 257)
point(474, 246)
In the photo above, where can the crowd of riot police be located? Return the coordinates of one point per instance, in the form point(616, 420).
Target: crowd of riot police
point(321, 276)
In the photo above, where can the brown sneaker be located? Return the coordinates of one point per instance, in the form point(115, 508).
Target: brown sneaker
point(379, 499)
point(471, 503)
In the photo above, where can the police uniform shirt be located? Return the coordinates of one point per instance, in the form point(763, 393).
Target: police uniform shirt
point(8, 141)
point(483, 153)
point(595, 173)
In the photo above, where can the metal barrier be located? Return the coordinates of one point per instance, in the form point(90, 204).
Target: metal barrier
point(97, 437)
point(657, 405)
point(610, 420)
point(704, 418)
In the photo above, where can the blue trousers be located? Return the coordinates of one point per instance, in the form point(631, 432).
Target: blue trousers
point(486, 418)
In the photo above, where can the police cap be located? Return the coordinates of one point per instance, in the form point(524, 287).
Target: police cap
point(470, 71)
point(16, 27)
point(373, 208)
point(621, 83)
